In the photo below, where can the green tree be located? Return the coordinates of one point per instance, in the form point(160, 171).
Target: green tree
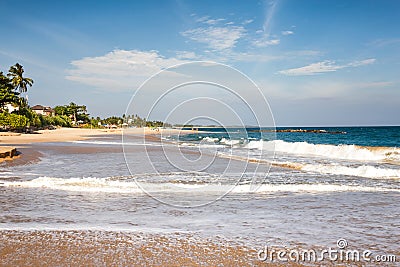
point(7, 93)
point(13, 121)
point(19, 82)
point(61, 110)
point(76, 112)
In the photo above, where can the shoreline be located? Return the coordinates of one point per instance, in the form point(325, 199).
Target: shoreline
point(102, 247)
point(21, 144)
point(78, 134)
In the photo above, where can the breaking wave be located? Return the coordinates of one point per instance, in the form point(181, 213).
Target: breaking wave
point(349, 152)
point(110, 185)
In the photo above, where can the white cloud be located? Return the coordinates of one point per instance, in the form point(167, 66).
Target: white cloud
point(265, 42)
point(266, 39)
point(122, 70)
point(208, 20)
point(251, 57)
point(202, 19)
point(119, 69)
point(186, 55)
point(247, 21)
point(362, 62)
point(218, 38)
point(319, 67)
point(213, 21)
point(269, 17)
point(287, 32)
point(227, 56)
point(385, 42)
point(324, 66)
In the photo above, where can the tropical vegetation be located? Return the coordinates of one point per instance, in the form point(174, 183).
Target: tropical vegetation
point(17, 115)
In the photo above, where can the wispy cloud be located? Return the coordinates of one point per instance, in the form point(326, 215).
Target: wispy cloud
point(263, 42)
point(269, 16)
point(265, 38)
point(385, 42)
point(202, 19)
point(287, 32)
point(247, 21)
point(208, 20)
point(324, 66)
point(120, 69)
point(224, 36)
point(251, 57)
point(361, 62)
point(218, 38)
point(213, 21)
point(186, 55)
point(314, 68)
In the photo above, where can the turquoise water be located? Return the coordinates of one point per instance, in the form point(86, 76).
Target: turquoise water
point(388, 136)
point(314, 189)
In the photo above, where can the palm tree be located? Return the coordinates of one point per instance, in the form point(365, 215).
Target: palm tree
point(18, 81)
point(7, 93)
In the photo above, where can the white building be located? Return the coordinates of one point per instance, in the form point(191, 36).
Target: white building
point(11, 107)
point(42, 110)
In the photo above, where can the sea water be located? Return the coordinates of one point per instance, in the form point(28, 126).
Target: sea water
point(312, 189)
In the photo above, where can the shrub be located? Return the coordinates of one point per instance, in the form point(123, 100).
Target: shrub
point(13, 121)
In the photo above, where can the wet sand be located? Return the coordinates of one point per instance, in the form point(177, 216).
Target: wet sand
point(27, 153)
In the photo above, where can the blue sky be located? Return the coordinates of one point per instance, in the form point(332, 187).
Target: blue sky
point(317, 62)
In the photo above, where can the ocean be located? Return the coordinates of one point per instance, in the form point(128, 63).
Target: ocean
point(252, 187)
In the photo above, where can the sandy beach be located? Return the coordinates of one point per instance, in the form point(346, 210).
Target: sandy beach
point(26, 154)
point(94, 248)
point(104, 248)
point(76, 134)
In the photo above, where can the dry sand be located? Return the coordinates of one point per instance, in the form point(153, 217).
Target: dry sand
point(75, 134)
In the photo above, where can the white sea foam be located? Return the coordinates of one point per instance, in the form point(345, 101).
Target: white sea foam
point(366, 171)
point(310, 188)
point(203, 145)
point(229, 142)
point(88, 184)
point(360, 171)
point(210, 139)
point(350, 152)
point(104, 185)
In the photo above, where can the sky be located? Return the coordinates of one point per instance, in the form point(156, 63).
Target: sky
point(317, 63)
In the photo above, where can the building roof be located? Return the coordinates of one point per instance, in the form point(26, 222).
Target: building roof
point(40, 107)
point(37, 107)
